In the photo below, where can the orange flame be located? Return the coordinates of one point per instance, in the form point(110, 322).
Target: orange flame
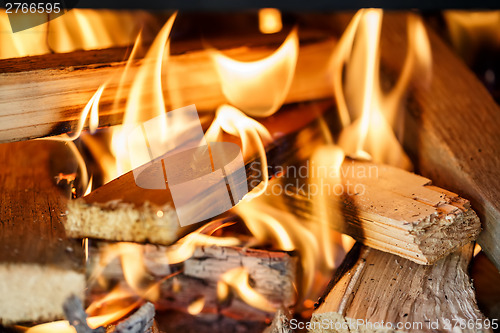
point(366, 113)
point(238, 280)
point(269, 78)
point(270, 21)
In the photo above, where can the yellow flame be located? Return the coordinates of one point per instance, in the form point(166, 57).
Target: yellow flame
point(367, 114)
point(253, 135)
point(270, 20)
point(238, 280)
point(145, 101)
point(196, 306)
point(185, 247)
point(471, 30)
point(259, 88)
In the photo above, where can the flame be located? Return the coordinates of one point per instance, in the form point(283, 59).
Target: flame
point(259, 88)
point(367, 114)
point(238, 280)
point(270, 21)
point(196, 306)
point(185, 247)
point(78, 29)
point(94, 320)
point(254, 136)
point(471, 30)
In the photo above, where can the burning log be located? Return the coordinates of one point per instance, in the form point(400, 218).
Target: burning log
point(39, 266)
point(390, 209)
point(54, 97)
point(121, 210)
point(140, 322)
point(375, 291)
point(200, 285)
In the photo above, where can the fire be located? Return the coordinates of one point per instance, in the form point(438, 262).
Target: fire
point(253, 135)
point(259, 88)
point(238, 280)
point(78, 29)
point(367, 114)
point(270, 20)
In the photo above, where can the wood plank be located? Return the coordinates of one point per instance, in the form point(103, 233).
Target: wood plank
point(486, 279)
point(389, 209)
point(452, 130)
point(49, 101)
point(376, 288)
point(39, 266)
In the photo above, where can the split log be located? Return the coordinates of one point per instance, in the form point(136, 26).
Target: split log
point(452, 130)
point(392, 210)
point(272, 274)
point(48, 101)
point(39, 266)
point(122, 211)
point(373, 290)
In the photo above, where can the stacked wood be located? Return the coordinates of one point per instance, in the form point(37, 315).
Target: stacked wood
point(39, 266)
point(46, 95)
point(394, 211)
point(271, 274)
point(375, 291)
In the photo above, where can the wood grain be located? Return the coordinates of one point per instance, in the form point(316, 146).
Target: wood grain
point(47, 101)
point(378, 287)
point(34, 249)
point(452, 130)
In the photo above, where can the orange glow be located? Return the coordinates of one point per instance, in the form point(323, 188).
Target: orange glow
point(196, 306)
point(259, 88)
point(253, 135)
point(237, 279)
point(145, 101)
point(367, 114)
point(270, 20)
point(185, 247)
point(78, 29)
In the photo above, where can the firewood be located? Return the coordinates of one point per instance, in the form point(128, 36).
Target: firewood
point(140, 321)
point(272, 274)
point(39, 266)
point(454, 102)
point(281, 322)
point(54, 97)
point(373, 290)
point(120, 210)
point(76, 316)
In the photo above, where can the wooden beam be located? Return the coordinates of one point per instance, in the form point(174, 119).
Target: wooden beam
point(39, 266)
point(384, 207)
point(46, 101)
point(373, 289)
point(452, 129)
